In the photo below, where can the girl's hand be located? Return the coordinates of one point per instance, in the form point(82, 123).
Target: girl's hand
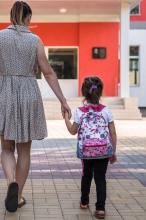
point(113, 159)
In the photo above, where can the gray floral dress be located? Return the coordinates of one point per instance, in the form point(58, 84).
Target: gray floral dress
point(21, 109)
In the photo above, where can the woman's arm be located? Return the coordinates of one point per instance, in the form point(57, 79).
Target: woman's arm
point(51, 77)
point(72, 128)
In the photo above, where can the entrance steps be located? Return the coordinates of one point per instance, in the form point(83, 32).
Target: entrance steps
point(122, 108)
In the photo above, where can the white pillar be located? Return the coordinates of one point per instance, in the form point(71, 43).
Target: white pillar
point(124, 49)
point(46, 51)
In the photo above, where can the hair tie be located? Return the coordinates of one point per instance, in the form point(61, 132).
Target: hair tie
point(93, 87)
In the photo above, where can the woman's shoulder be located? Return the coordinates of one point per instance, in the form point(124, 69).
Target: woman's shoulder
point(33, 34)
point(5, 36)
point(32, 39)
point(3, 31)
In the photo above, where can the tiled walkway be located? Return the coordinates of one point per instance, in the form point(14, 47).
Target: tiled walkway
point(53, 188)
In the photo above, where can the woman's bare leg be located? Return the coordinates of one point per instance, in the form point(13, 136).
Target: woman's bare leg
point(8, 159)
point(23, 164)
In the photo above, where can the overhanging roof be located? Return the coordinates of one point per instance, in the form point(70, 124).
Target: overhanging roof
point(77, 10)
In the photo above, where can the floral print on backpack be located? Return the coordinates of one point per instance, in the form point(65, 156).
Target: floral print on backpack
point(94, 139)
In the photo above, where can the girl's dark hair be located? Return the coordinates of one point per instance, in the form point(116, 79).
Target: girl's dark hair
point(19, 11)
point(92, 89)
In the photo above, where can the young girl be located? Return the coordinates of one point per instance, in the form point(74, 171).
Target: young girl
point(96, 144)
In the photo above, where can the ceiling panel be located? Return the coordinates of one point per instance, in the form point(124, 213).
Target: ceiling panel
point(48, 10)
point(73, 7)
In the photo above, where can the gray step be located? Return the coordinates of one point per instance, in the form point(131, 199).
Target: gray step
point(53, 110)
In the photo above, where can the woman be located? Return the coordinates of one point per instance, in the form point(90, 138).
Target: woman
point(21, 110)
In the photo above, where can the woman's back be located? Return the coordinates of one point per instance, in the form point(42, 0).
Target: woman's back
point(18, 50)
point(21, 114)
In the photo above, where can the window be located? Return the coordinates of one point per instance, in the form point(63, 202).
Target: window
point(134, 65)
point(135, 10)
point(64, 62)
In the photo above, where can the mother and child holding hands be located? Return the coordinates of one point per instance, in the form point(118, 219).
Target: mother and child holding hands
point(22, 116)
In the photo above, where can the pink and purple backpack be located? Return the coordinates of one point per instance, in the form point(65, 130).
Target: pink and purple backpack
point(94, 139)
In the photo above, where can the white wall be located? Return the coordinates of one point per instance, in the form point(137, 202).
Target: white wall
point(138, 37)
point(69, 88)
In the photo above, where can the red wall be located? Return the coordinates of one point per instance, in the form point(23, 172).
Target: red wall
point(86, 36)
point(142, 16)
point(100, 35)
point(56, 34)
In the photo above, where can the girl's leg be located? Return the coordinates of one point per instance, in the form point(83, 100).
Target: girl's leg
point(100, 168)
point(8, 159)
point(87, 174)
point(23, 165)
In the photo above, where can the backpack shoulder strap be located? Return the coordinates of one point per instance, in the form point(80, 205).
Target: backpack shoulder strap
point(84, 109)
point(100, 107)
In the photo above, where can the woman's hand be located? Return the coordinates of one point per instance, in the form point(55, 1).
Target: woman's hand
point(66, 116)
point(65, 108)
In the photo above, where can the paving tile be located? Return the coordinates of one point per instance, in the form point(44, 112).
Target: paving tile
point(84, 217)
point(52, 190)
point(11, 216)
point(141, 217)
point(49, 218)
point(27, 217)
point(71, 217)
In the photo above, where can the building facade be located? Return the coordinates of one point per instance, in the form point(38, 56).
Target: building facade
point(137, 54)
point(92, 38)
